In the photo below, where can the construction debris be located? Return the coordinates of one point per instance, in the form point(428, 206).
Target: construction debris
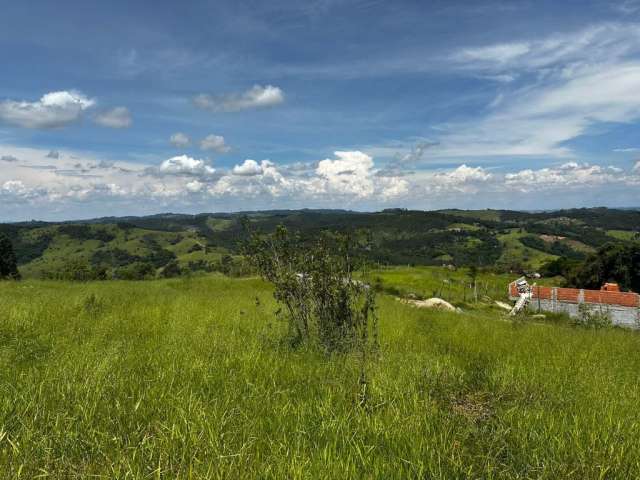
point(436, 303)
point(524, 292)
point(503, 305)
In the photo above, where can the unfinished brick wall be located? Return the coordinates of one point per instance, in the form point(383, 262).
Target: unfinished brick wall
point(623, 307)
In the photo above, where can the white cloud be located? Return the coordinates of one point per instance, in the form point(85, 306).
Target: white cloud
point(118, 117)
point(180, 140)
point(568, 83)
point(254, 98)
point(214, 143)
point(465, 174)
point(500, 54)
point(393, 187)
point(572, 83)
point(594, 44)
point(195, 186)
point(351, 173)
point(566, 176)
point(349, 179)
point(184, 165)
point(626, 150)
point(15, 187)
point(53, 110)
point(248, 168)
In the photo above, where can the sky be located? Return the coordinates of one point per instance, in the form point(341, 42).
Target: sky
point(134, 108)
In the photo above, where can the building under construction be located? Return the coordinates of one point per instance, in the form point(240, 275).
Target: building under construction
point(623, 308)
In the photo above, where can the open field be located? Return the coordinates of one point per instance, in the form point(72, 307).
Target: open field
point(187, 379)
point(455, 286)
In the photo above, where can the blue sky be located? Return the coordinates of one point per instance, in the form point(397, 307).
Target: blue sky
point(118, 108)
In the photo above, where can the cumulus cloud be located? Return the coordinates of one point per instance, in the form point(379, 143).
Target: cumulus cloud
point(187, 166)
point(254, 98)
point(53, 110)
point(248, 168)
point(349, 178)
point(180, 140)
point(568, 175)
point(214, 143)
point(465, 174)
point(118, 117)
point(8, 158)
point(195, 186)
point(350, 173)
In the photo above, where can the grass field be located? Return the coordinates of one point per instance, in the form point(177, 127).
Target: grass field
point(187, 378)
point(455, 286)
point(515, 251)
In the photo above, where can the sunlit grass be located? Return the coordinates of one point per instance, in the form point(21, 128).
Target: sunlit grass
point(187, 378)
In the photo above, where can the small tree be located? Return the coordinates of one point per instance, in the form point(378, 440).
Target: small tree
point(314, 282)
point(8, 264)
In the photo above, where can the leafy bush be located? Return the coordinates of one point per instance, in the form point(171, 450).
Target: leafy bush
point(314, 283)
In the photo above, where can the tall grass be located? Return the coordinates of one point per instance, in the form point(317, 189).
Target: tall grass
point(187, 378)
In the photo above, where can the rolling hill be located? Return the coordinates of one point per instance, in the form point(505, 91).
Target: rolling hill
point(506, 240)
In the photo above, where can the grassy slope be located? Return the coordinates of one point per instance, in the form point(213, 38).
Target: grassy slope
point(623, 234)
point(63, 247)
point(185, 379)
point(514, 250)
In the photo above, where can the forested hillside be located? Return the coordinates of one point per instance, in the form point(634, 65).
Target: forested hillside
point(132, 246)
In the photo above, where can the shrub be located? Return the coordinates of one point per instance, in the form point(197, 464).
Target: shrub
point(314, 283)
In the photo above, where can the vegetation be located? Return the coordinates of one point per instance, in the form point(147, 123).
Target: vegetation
point(618, 263)
point(556, 248)
point(503, 240)
point(187, 378)
point(314, 282)
point(8, 264)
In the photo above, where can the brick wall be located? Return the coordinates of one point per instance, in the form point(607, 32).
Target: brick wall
point(575, 295)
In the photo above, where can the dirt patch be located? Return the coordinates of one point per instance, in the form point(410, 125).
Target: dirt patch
point(475, 406)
